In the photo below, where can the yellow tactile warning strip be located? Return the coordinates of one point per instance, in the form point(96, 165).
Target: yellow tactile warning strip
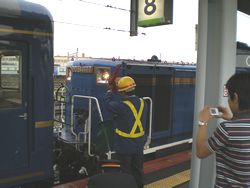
point(171, 181)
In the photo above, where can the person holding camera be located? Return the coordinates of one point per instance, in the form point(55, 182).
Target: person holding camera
point(231, 139)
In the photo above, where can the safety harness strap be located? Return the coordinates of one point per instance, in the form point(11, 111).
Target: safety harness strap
point(137, 122)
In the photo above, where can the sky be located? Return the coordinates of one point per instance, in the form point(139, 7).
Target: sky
point(79, 26)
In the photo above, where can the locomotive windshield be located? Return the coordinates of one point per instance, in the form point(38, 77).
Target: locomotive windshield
point(102, 75)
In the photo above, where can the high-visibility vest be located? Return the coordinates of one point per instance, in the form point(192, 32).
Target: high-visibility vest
point(137, 123)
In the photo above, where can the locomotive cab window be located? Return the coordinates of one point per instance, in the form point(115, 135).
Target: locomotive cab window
point(10, 78)
point(102, 75)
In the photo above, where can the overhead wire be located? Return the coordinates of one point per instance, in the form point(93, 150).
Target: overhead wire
point(97, 27)
point(105, 5)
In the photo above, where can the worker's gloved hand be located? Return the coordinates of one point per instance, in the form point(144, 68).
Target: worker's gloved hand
point(112, 84)
point(112, 87)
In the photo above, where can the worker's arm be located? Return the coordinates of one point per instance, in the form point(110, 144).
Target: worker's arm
point(112, 100)
point(202, 150)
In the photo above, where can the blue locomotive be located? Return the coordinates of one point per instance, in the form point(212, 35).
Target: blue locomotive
point(26, 93)
point(168, 88)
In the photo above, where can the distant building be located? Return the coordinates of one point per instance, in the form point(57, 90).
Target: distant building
point(60, 62)
point(63, 60)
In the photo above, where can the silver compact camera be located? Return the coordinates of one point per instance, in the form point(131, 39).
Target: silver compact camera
point(214, 112)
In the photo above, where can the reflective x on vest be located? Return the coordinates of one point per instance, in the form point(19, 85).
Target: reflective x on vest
point(137, 123)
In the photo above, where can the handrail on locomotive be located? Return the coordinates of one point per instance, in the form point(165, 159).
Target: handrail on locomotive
point(87, 128)
point(88, 124)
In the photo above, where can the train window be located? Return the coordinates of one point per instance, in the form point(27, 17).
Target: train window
point(102, 75)
point(10, 78)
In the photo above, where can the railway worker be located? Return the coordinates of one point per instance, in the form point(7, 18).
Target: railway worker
point(231, 139)
point(129, 122)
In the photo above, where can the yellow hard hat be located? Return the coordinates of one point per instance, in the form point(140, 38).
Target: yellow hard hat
point(126, 84)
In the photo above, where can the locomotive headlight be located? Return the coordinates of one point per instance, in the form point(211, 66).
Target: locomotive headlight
point(102, 75)
point(105, 75)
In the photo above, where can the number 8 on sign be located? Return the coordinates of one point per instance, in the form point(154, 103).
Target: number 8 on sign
point(150, 7)
point(154, 12)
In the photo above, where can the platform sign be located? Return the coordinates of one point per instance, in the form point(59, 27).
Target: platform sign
point(154, 12)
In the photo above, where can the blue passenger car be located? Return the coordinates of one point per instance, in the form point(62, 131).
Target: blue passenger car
point(26, 95)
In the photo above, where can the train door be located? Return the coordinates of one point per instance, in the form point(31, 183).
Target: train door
point(163, 95)
point(13, 106)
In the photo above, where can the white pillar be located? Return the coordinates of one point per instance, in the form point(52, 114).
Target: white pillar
point(215, 64)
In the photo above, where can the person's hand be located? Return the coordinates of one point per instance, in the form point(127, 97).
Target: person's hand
point(204, 114)
point(225, 113)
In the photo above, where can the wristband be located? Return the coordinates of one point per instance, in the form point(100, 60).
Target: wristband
point(202, 123)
